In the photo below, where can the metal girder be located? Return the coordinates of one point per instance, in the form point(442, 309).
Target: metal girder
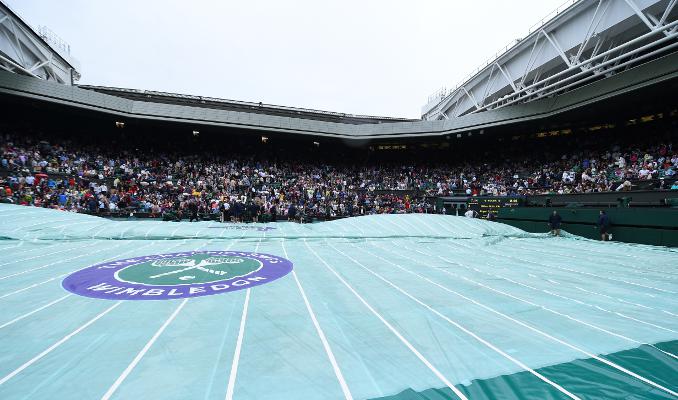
point(611, 64)
point(557, 47)
point(578, 45)
point(26, 51)
point(593, 26)
point(650, 20)
point(640, 14)
point(491, 78)
point(470, 96)
point(669, 8)
point(508, 78)
point(532, 59)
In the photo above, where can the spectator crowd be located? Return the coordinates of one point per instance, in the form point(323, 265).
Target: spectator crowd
point(72, 176)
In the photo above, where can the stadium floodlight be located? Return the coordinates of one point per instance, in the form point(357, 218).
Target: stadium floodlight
point(119, 124)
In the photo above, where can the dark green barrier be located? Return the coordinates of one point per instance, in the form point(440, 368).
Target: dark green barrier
point(656, 226)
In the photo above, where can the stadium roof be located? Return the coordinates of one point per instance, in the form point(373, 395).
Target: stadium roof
point(243, 106)
point(659, 76)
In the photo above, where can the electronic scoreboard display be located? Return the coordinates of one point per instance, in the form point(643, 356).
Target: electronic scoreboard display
point(485, 205)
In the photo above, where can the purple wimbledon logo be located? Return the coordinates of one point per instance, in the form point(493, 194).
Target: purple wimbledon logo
point(177, 275)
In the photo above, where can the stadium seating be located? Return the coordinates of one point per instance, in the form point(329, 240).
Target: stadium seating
point(69, 174)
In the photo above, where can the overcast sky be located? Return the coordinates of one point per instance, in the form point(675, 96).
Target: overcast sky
point(377, 57)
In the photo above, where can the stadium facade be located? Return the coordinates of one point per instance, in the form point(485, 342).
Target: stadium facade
point(592, 56)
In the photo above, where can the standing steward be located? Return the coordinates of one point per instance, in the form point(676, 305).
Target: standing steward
point(604, 226)
point(554, 222)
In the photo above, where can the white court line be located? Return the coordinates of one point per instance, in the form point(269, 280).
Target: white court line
point(33, 214)
point(50, 222)
point(57, 262)
point(357, 226)
point(104, 226)
point(598, 308)
point(57, 344)
point(321, 334)
point(586, 273)
point(126, 229)
point(39, 223)
point(101, 220)
point(200, 230)
point(223, 342)
point(525, 262)
point(64, 274)
point(238, 348)
point(343, 228)
point(576, 272)
point(529, 326)
point(46, 247)
point(409, 345)
point(610, 260)
point(536, 277)
point(19, 318)
point(590, 246)
point(377, 220)
point(150, 343)
point(44, 255)
point(96, 223)
point(175, 231)
point(149, 231)
point(460, 327)
point(625, 301)
point(405, 221)
point(143, 352)
point(13, 247)
point(238, 345)
point(646, 323)
point(221, 233)
point(32, 286)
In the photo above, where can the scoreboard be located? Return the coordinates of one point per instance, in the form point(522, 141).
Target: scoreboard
point(485, 205)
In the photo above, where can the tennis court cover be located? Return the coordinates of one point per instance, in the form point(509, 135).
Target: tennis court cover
point(397, 307)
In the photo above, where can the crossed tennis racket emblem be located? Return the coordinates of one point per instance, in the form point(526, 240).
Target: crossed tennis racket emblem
point(190, 264)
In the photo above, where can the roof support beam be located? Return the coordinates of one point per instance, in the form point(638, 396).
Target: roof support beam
point(649, 20)
point(593, 25)
point(508, 78)
point(605, 59)
point(557, 47)
point(668, 10)
point(640, 14)
point(470, 96)
point(531, 59)
point(17, 66)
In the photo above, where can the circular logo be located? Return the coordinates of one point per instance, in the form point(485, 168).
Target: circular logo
point(177, 275)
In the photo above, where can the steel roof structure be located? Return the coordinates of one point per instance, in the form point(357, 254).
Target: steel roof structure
point(586, 41)
point(36, 52)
